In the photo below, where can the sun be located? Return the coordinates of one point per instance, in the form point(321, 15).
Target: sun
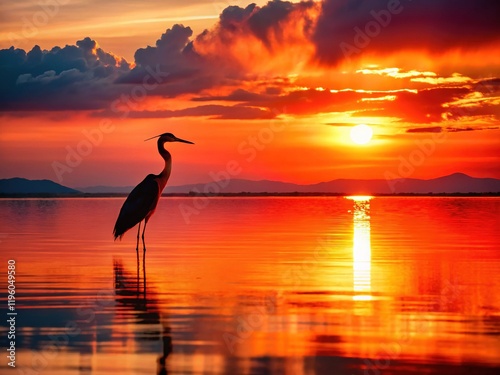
point(361, 134)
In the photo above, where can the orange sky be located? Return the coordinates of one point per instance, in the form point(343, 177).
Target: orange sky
point(274, 88)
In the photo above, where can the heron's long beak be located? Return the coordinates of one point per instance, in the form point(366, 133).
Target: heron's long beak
point(156, 136)
point(183, 141)
point(175, 139)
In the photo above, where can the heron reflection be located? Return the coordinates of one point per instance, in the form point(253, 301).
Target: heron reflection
point(131, 295)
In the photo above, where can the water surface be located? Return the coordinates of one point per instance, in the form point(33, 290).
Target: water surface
point(302, 286)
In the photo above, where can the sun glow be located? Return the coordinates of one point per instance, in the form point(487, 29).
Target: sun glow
point(361, 134)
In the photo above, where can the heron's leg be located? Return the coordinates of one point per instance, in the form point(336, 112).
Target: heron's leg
point(144, 258)
point(137, 252)
point(137, 246)
point(144, 276)
point(143, 242)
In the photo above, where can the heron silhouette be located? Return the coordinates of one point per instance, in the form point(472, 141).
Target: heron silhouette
point(141, 202)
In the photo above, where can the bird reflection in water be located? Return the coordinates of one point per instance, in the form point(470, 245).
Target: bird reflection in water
point(133, 295)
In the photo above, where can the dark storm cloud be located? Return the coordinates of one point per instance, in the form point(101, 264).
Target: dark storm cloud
point(196, 62)
point(233, 16)
point(270, 18)
point(83, 76)
point(179, 68)
point(171, 49)
point(59, 79)
point(347, 28)
point(264, 21)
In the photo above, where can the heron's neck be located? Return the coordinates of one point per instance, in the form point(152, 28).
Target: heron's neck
point(165, 174)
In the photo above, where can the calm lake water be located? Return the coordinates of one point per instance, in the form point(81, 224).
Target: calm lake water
point(300, 286)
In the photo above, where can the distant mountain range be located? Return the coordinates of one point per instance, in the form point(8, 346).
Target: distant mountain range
point(22, 186)
point(454, 183)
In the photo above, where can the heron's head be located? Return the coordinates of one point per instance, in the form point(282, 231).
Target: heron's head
point(169, 137)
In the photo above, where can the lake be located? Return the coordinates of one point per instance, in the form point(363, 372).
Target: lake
point(268, 285)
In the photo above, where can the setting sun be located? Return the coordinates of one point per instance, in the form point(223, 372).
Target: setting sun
point(361, 134)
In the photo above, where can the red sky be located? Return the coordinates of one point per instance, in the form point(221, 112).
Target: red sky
point(274, 87)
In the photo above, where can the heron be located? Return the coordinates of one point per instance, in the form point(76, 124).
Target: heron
point(142, 200)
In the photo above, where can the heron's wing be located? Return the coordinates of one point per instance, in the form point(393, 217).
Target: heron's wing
point(139, 203)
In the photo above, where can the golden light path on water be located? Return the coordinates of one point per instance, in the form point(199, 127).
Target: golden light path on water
point(361, 249)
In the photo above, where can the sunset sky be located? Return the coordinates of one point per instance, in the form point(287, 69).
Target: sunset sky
point(273, 86)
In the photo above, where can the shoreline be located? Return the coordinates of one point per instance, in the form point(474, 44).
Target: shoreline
point(245, 194)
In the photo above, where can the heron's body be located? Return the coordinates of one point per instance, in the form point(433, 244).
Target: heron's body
point(141, 202)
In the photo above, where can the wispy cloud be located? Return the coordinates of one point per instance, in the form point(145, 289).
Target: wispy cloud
point(211, 111)
point(395, 72)
point(430, 129)
point(455, 78)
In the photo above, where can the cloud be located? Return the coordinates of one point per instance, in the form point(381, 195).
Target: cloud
point(415, 106)
point(83, 76)
point(488, 87)
point(395, 72)
point(416, 76)
point(451, 129)
point(348, 28)
point(431, 129)
point(212, 111)
point(58, 79)
point(171, 49)
point(249, 58)
point(470, 128)
point(273, 38)
point(238, 95)
point(179, 68)
point(466, 129)
point(455, 78)
point(267, 23)
point(423, 107)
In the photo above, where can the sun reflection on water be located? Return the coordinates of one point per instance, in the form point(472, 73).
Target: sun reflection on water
point(361, 250)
